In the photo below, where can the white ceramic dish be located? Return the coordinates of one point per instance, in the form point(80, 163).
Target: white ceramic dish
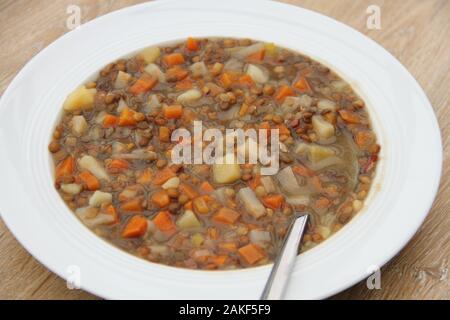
point(402, 117)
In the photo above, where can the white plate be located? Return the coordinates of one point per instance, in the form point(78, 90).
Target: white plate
point(406, 182)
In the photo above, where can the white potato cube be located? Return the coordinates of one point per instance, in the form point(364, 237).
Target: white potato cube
point(150, 54)
point(226, 172)
point(79, 125)
point(323, 128)
point(71, 188)
point(122, 80)
point(100, 197)
point(171, 183)
point(189, 96)
point(80, 99)
point(91, 164)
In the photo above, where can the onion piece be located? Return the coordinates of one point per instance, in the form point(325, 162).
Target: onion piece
point(243, 52)
point(259, 236)
point(288, 182)
point(258, 73)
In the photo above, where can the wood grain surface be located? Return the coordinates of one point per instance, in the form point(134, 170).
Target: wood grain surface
point(415, 31)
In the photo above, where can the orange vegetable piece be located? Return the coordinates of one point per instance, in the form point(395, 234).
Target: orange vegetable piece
point(257, 56)
point(173, 112)
point(136, 227)
point(192, 44)
point(161, 198)
point(274, 201)
point(227, 246)
point(145, 83)
point(110, 210)
point(176, 73)
point(163, 221)
point(118, 165)
point(302, 171)
point(145, 177)
point(164, 134)
point(251, 253)
point(349, 116)
point(302, 85)
point(188, 190)
point(213, 233)
point(91, 181)
point(127, 118)
point(246, 80)
point(110, 121)
point(226, 215)
point(163, 175)
point(255, 182)
point(133, 205)
point(283, 130)
point(206, 187)
point(200, 205)
point(173, 59)
point(217, 261)
point(188, 205)
point(228, 79)
point(65, 168)
point(364, 138)
point(184, 84)
point(283, 92)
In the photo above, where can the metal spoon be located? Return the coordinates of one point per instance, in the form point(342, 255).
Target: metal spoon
point(282, 267)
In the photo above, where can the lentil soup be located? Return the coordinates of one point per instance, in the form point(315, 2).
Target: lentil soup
point(112, 152)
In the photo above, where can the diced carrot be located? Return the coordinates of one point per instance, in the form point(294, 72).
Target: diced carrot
point(213, 233)
point(200, 205)
point(257, 56)
point(228, 79)
point(188, 190)
point(316, 183)
point(189, 116)
point(302, 85)
point(226, 215)
point(164, 134)
point(136, 227)
point(110, 210)
point(302, 171)
point(163, 175)
point(127, 118)
point(160, 199)
point(110, 121)
point(283, 130)
point(145, 83)
point(176, 73)
point(118, 165)
point(188, 206)
point(246, 80)
point(349, 116)
point(173, 59)
point(227, 246)
point(206, 187)
point(145, 177)
point(192, 44)
point(184, 84)
point(163, 221)
point(218, 261)
point(65, 168)
point(273, 201)
point(251, 253)
point(91, 181)
point(173, 112)
point(283, 92)
point(255, 182)
point(321, 203)
point(364, 138)
point(133, 205)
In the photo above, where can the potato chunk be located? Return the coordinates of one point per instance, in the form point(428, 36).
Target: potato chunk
point(80, 99)
point(323, 128)
point(150, 54)
point(99, 198)
point(251, 202)
point(318, 153)
point(122, 80)
point(79, 125)
point(188, 221)
point(91, 164)
point(226, 173)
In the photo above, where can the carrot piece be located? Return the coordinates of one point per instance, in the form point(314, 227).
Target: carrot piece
point(118, 165)
point(200, 205)
point(206, 187)
point(161, 199)
point(284, 130)
point(246, 80)
point(145, 83)
point(226, 215)
point(251, 253)
point(163, 221)
point(164, 134)
point(302, 85)
point(145, 176)
point(173, 59)
point(349, 116)
point(283, 92)
point(91, 181)
point(188, 190)
point(163, 175)
point(110, 210)
point(255, 182)
point(133, 205)
point(322, 203)
point(213, 233)
point(176, 73)
point(109, 121)
point(189, 116)
point(228, 79)
point(302, 171)
point(173, 112)
point(192, 44)
point(127, 118)
point(274, 201)
point(188, 206)
point(184, 84)
point(217, 261)
point(243, 109)
point(65, 168)
point(227, 246)
point(364, 138)
point(257, 56)
point(136, 227)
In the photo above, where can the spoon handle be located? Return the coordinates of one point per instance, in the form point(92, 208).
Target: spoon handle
point(282, 267)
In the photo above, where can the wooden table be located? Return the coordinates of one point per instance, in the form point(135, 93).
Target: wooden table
point(415, 31)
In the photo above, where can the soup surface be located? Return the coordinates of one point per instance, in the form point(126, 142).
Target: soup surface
point(112, 150)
